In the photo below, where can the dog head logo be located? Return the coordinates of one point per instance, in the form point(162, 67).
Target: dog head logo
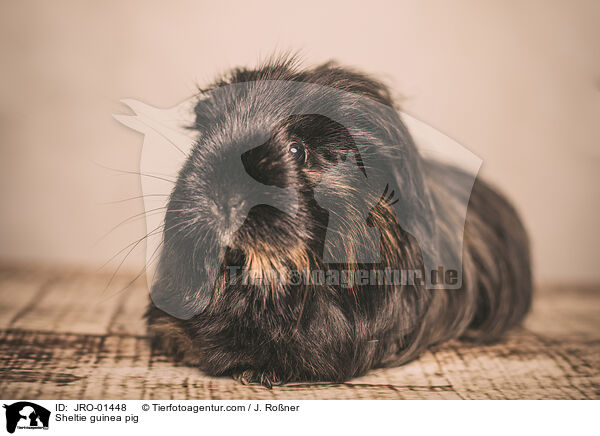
point(26, 415)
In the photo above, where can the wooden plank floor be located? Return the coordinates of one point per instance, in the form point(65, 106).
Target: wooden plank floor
point(63, 337)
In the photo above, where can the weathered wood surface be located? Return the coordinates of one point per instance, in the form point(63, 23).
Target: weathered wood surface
point(63, 337)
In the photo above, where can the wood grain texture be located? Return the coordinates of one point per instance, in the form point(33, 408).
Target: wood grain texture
point(63, 335)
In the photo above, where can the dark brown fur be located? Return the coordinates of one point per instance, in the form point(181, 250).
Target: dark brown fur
point(274, 333)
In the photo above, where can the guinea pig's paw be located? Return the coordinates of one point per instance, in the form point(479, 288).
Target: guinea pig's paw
point(254, 377)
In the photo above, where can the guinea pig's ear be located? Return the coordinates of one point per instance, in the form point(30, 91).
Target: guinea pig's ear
point(202, 112)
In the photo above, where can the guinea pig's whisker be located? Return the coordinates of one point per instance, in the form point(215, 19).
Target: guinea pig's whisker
point(187, 225)
point(134, 244)
point(132, 281)
point(154, 176)
point(137, 173)
point(131, 218)
point(132, 198)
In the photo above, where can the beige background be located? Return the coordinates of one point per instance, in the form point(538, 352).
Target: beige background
point(518, 83)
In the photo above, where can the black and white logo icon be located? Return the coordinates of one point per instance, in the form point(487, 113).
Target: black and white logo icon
point(26, 415)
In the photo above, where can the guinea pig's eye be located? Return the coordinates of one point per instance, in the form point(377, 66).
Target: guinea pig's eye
point(298, 152)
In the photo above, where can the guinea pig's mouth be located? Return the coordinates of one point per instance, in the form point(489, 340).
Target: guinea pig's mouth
point(234, 257)
point(269, 239)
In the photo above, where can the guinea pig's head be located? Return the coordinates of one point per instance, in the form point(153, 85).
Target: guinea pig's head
point(281, 154)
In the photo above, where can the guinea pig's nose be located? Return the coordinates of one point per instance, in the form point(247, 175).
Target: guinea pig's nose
point(235, 206)
point(229, 209)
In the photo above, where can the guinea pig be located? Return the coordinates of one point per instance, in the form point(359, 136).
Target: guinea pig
point(314, 138)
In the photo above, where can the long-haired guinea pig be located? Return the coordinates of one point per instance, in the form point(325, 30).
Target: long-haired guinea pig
point(314, 138)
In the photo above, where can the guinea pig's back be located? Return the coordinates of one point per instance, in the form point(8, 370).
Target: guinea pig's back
point(496, 258)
